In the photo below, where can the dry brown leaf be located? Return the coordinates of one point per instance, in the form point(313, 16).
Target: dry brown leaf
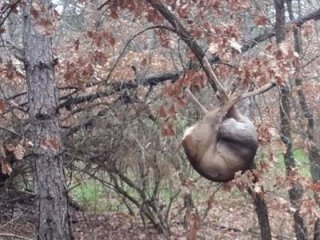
point(50, 143)
point(6, 168)
point(2, 153)
point(3, 106)
point(19, 152)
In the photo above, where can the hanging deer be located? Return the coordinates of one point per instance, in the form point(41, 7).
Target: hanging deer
point(223, 142)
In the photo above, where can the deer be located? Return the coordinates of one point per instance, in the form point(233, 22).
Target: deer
point(224, 141)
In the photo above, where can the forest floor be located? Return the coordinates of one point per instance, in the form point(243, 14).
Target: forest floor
point(120, 227)
point(237, 220)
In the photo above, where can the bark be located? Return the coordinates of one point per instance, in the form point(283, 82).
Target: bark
point(262, 213)
point(51, 195)
point(308, 114)
point(296, 192)
point(5, 55)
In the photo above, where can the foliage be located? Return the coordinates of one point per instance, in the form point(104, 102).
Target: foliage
point(121, 71)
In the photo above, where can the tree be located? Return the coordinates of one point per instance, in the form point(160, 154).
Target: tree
point(45, 134)
point(296, 192)
point(109, 109)
point(313, 152)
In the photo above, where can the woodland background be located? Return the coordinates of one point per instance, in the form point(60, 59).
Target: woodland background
point(93, 110)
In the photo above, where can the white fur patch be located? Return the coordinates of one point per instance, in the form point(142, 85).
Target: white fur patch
point(188, 132)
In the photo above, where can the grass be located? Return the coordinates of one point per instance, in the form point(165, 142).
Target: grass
point(90, 195)
point(301, 159)
point(94, 196)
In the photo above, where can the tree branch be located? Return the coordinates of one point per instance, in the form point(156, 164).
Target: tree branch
point(156, 79)
point(9, 7)
point(315, 15)
point(185, 35)
point(129, 42)
point(11, 235)
point(117, 87)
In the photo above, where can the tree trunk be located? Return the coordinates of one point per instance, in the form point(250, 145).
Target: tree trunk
point(262, 214)
point(308, 114)
point(52, 202)
point(296, 192)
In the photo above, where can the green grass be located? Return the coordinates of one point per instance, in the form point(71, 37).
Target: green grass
point(94, 196)
point(301, 159)
point(89, 195)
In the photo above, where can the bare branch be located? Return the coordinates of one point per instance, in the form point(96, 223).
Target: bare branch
point(8, 8)
point(103, 4)
point(10, 131)
point(15, 236)
point(129, 42)
point(185, 35)
point(315, 15)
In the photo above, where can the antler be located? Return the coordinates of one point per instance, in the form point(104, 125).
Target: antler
point(237, 99)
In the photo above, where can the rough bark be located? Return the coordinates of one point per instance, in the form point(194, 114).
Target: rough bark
point(5, 55)
point(296, 192)
point(262, 214)
point(52, 202)
point(308, 114)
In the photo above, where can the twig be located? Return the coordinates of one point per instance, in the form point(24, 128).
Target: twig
point(269, 33)
point(11, 235)
point(10, 131)
point(129, 42)
point(211, 197)
point(10, 7)
point(102, 5)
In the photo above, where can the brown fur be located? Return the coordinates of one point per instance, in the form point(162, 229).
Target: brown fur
point(221, 144)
